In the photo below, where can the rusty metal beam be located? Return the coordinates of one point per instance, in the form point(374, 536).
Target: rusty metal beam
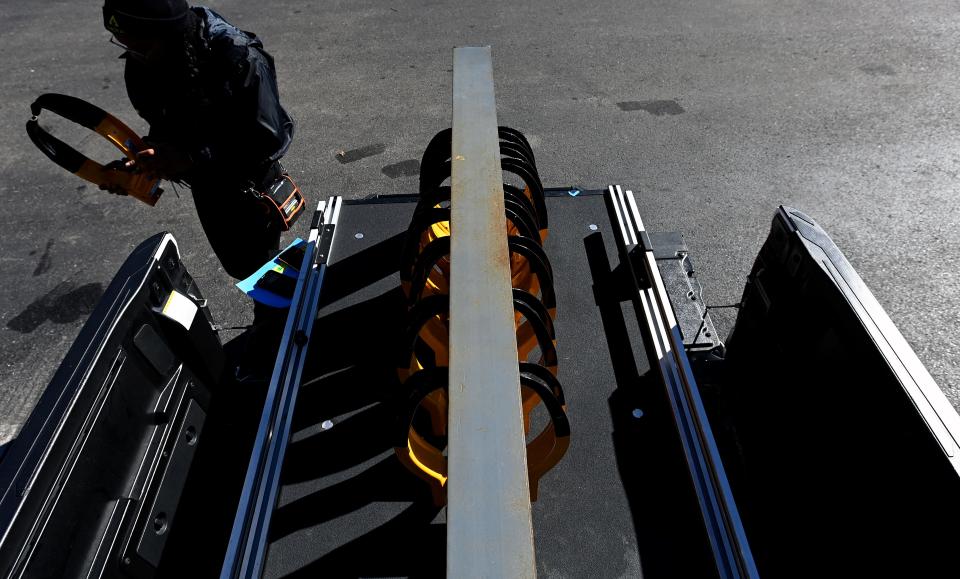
point(489, 527)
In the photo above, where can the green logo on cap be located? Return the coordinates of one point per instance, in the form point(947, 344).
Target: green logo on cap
point(114, 26)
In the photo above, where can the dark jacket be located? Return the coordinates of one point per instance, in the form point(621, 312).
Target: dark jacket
point(226, 114)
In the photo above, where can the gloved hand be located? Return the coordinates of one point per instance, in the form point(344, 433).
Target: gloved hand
point(161, 160)
point(119, 165)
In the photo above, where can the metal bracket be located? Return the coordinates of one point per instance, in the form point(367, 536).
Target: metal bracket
point(666, 352)
point(247, 549)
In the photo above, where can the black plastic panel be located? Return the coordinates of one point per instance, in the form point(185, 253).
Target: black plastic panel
point(838, 467)
point(620, 503)
point(106, 442)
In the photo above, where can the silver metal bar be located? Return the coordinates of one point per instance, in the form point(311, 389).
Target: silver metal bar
point(489, 526)
point(246, 551)
point(665, 349)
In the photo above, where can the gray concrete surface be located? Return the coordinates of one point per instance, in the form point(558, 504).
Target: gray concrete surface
point(714, 111)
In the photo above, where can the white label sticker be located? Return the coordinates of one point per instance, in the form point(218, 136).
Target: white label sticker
point(180, 309)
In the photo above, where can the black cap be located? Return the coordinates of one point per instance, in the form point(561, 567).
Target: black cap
point(144, 17)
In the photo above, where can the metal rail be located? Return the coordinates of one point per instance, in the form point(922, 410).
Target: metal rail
point(665, 351)
point(247, 549)
point(489, 526)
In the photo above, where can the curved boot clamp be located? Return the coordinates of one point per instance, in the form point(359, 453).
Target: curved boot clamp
point(439, 147)
point(548, 447)
point(532, 271)
point(522, 221)
point(435, 167)
point(426, 345)
point(435, 199)
point(136, 184)
point(432, 225)
point(515, 151)
point(428, 328)
point(518, 196)
point(431, 271)
point(532, 182)
point(433, 177)
point(428, 462)
point(517, 138)
point(413, 451)
point(436, 153)
point(536, 330)
point(425, 227)
point(547, 377)
point(427, 324)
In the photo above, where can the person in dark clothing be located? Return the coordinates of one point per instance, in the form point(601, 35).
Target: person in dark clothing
point(209, 93)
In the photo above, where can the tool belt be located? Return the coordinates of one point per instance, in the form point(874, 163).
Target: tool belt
point(279, 196)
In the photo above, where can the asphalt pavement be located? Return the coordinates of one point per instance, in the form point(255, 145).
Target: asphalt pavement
point(713, 112)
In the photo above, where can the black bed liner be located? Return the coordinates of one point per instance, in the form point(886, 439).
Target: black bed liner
point(840, 449)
